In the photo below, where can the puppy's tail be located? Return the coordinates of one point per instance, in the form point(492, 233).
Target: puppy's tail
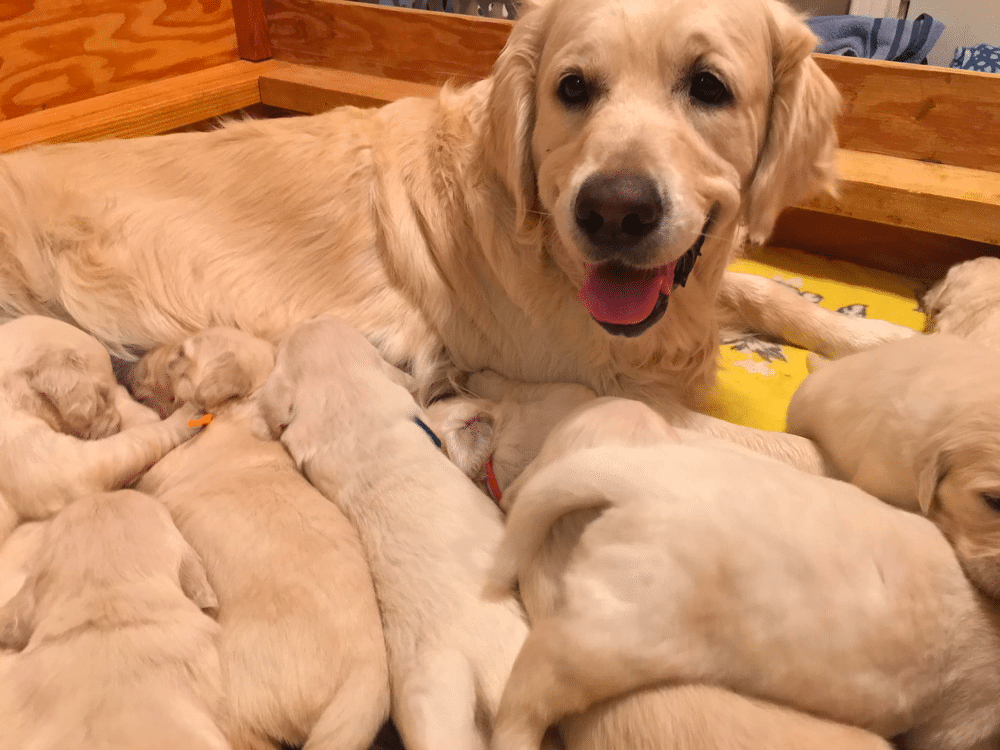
point(577, 482)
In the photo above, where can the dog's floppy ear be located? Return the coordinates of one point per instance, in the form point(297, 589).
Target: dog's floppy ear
point(798, 156)
point(223, 377)
point(276, 402)
point(17, 618)
point(194, 583)
point(511, 108)
point(931, 465)
point(61, 378)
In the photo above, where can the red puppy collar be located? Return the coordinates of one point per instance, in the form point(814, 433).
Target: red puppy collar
point(491, 480)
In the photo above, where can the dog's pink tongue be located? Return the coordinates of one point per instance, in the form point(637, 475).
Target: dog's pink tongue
point(623, 296)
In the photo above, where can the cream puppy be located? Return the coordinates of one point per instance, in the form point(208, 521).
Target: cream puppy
point(116, 650)
point(16, 554)
point(964, 302)
point(706, 564)
point(303, 656)
point(493, 441)
point(60, 415)
point(429, 534)
point(917, 424)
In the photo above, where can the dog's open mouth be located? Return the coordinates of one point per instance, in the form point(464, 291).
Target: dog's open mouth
point(627, 301)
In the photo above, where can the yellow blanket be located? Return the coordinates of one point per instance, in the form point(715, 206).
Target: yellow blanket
point(757, 378)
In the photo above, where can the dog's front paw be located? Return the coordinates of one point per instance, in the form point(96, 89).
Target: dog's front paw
point(867, 333)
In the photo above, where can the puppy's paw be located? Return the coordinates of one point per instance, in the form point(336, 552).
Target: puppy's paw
point(186, 422)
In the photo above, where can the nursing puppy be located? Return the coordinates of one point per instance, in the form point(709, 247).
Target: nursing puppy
point(708, 564)
point(116, 650)
point(917, 424)
point(493, 441)
point(60, 415)
point(354, 430)
point(964, 302)
point(303, 657)
point(568, 219)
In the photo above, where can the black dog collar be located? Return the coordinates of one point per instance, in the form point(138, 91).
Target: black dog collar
point(430, 433)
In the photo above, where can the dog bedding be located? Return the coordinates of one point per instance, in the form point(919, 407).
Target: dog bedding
point(757, 376)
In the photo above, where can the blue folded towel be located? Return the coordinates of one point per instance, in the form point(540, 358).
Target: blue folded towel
point(877, 38)
point(984, 58)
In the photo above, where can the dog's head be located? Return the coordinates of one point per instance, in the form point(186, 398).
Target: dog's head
point(959, 489)
point(60, 374)
point(206, 369)
point(329, 377)
point(648, 129)
point(959, 300)
point(97, 545)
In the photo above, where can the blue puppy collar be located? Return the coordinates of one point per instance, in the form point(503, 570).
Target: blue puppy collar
point(430, 433)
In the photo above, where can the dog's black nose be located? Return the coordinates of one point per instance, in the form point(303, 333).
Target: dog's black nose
point(618, 210)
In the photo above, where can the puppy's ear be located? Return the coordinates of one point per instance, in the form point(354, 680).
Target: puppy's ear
point(511, 108)
point(277, 404)
point(932, 465)
point(61, 378)
point(468, 444)
point(798, 157)
point(17, 618)
point(224, 377)
point(195, 585)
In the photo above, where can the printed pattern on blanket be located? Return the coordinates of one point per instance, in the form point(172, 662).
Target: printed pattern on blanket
point(984, 58)
point(757, 377)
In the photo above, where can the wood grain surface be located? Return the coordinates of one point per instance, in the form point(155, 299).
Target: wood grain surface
point(310, 90)
point(59, 51)
point(409, 45)
point(252, 40)
point(147, 109)
point(938, 115)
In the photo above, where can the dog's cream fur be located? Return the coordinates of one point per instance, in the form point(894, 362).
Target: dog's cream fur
point(442, 229)
point(511, 427)
point(115, 650)
point(428, 532)
point(303, 657)
point(708, 564)
point(60, 414)
point(917, 424)
point(965, 302)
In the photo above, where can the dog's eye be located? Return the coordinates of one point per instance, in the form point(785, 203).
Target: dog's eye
point(992, 500)
point(574, 91)
point(708, 89)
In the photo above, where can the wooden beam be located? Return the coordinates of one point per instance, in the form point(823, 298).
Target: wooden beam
point(952, 201)
point(938, 115)
point(307, 89)
point(142, 110)
point(252, 40)
point(399, 43)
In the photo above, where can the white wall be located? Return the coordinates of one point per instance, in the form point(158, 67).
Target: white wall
point(967, 23)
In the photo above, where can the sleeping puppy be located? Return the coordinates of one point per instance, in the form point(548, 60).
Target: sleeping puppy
point(60, 415)
point(917, 424)
point(706, 564)
point(302, 650)
point(116, 650)
point(356, 432)
point(493, 440)
point(16, 554)
point(964, 302)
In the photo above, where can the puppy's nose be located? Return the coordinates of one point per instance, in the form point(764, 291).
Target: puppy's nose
point(618, 210)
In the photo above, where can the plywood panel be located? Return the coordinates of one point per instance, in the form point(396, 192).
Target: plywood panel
point(919, 112)
point(146, 109)
point(409, 45)
point(310, 90)
point(58, 51)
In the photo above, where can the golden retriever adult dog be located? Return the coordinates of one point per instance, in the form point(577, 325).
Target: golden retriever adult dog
point(917, 424)
point(707, 563)
point(429, 534)
point(493, 440)
point(61, 411)
point(303, 656)
point(116, 648)
point(569, 218)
